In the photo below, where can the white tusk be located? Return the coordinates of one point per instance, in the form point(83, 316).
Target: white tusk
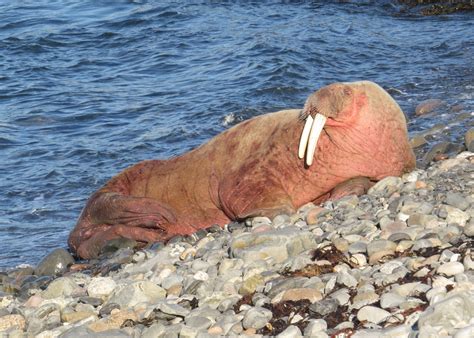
point(305, 136)
point(316, 128)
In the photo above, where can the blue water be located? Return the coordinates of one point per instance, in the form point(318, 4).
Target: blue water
point(89, 87)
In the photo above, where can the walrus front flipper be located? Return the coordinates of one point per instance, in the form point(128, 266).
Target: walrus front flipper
point(354, 186)
point(109, 215)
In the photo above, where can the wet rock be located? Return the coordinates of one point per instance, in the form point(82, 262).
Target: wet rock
point(118, 243)
point(418, 141)
point(55, 263)
point(469, 139)
point(428, 106)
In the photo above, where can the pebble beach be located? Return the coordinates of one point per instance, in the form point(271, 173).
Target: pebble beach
point(396, 262)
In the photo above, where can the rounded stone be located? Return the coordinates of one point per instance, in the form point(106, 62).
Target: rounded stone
point(451, 268)
point(101, 287)
point(291, 331)
point(372, 314)
point(55, 263)
point(324, 307)
point(256, 318)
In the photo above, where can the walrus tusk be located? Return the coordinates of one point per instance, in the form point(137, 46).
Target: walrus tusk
point(305, 136)
point(316, 128)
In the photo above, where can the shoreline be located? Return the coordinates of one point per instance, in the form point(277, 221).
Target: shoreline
point(395, 261)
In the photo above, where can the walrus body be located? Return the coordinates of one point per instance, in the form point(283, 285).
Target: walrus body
point(253, 169)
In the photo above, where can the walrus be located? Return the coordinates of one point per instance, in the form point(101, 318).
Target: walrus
point(347, 136)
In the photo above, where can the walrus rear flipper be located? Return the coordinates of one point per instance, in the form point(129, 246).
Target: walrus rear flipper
point(109, 215)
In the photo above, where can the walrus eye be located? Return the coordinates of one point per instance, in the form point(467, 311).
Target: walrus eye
point(310, 136)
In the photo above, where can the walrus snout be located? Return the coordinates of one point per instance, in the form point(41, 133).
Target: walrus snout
point(327, 102)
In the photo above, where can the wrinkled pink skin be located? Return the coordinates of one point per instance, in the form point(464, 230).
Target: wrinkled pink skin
point(252, 170)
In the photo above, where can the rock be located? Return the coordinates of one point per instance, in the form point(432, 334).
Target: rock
point(448, 315)
point(324, 307)
point(114, 321)
point(314, 327)
point(198, 323)
point(364, 298)
point(256, 318)
point(14, 321)
point(290, 332)
point(390, 300)
point(451, 268)
point(418, 141)
point(455, 215)
point(469, 229)
point(55, 263)
point(278, 244)
point(155, 330)
point(138, 292)
point(101, 287)
point(298, 294)
point(457, 200)
point(378, 249)
point(75, 316)
point(469, 139)
point(372, 314)
point(386, 186)
point(428, 106)
point(61, 287)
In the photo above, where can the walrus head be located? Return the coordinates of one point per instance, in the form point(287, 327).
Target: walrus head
point(334, 102)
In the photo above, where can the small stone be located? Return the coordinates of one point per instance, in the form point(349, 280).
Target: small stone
point(296, 294)
point(61, 287)
point(364, 298)
point(456, 215)
point(256, 318)
point(251, 284)
point(451, 268)
point(101, 287)
point(428, 106)
point(386, 186)
point(469, 229)
point(155, 330)
point(138, 292)
point(378, 249)
point(108, 308)
point(55, 263)
point(372, 314)
point(75, 316)
point(457, 200)
point(324, 307)
point(448, 315)
point(417, 141)
point(114, 321)
point(290, 332)
point(390, 300)
point(14, 321)
point(198, 323)
point(314, 327)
